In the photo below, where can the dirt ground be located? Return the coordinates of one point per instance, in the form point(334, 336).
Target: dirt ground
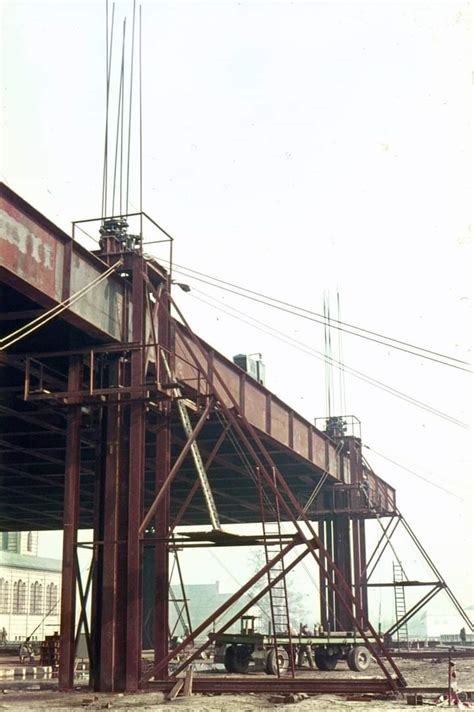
point(29, 696)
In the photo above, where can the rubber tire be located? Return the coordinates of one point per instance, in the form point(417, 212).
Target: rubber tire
point(325, 662)
point(271, 667)
point(358, 658)
point(234, 660)
point(229, 659)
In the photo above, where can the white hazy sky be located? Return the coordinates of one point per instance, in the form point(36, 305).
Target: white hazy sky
point(293, 148)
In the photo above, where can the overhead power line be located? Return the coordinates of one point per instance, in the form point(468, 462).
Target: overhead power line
point(303, 313)
point(412, 472)
point(300, 346)
point(52, 313)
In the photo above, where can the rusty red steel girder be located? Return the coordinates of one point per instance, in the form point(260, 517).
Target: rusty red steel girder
point(282, 491)
point(71, 522)
point(264, 685)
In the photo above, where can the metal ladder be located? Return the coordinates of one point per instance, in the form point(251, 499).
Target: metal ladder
point(278, 593)
point(188, 429)
point(400, 603)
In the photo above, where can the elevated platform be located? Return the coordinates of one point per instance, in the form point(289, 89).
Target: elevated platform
point(42, 267)
point(115, 416)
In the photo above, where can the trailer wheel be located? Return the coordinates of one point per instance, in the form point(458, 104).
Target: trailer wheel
point(271, 664)
point(358, 658)
point(236, 659)
point(324, 661)
point(25, 652)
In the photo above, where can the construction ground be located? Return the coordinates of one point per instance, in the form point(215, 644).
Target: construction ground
point(120, 419)
point(420, 675)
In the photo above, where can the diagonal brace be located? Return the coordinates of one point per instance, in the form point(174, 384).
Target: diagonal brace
point(177, 465)
point(222, 609)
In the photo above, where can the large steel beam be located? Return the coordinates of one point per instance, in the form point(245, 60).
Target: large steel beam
point(135, 485)
point(71, 521)
point(323, 600)
point(109, 656)
point(161, 552)
point(162, 469)
point(364, 602)
point(235, 684)
point(109, 604)
point(343, 560)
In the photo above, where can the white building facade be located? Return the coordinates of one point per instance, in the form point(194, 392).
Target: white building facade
point(30, 588)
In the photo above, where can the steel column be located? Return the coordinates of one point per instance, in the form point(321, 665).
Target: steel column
point(136, 446)
point(163, 459)
point(342, 559)
point(363, 578)
point(111, 673)
point(162, 469)
point(358, 533)
point(71, 520)
point(323, 599)
point(357, 567)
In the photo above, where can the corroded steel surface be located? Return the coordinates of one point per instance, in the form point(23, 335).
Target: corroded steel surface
point(270, 685)
point(49, 267)
point(30, 252)
point(44, 263)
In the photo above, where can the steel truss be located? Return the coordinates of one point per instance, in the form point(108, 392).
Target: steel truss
point(132, 388)
point(436, 585)
point(119, 390)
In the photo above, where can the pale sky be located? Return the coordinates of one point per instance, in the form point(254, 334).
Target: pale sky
point(292, 148)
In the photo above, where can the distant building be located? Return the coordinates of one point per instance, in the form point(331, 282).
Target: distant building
point(436, 625)
point(30, 588)
point(202, 601)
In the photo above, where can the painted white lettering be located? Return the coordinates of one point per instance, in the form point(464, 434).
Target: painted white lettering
point(13, 233)
point(17, 234)
point(35, 245)
point(47, 252)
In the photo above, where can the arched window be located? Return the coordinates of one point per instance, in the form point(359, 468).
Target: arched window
point(4, 596)
point(29, 542)
point(19, 597)
point(51, 597)
point(36, 598)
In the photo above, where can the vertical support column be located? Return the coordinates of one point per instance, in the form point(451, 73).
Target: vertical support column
point(342, 559)
point(357, 565)
point(161, 551)
point(162, 524)
point(135, 484)
point(358, 532)
point(96, 609)
point(109, 677)
point(330, 595)
point(322, 579)
point(363, 579)
point(109, 590)
point(71, 522)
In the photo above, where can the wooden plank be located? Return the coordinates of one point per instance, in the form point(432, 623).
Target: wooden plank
point(176, 689)
point(188, 683)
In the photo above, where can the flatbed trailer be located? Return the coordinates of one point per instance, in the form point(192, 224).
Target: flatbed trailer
point(245, 651)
